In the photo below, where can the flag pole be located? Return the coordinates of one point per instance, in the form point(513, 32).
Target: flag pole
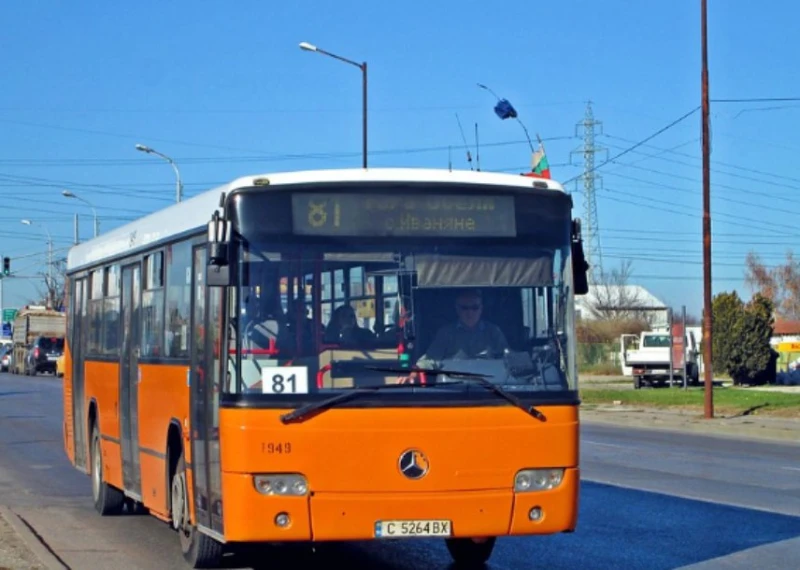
point(541, 144)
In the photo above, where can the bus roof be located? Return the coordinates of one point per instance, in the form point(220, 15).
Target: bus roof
point(195, 212)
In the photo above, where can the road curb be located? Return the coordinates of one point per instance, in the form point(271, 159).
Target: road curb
point(700, 427)
point(30, 539)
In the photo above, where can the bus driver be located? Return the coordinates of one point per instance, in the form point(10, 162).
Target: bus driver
point(468, 337)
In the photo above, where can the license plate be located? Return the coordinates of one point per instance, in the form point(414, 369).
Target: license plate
point(401, 529)
point(52, 358)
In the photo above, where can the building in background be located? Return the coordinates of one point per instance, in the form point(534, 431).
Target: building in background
point(622, 302)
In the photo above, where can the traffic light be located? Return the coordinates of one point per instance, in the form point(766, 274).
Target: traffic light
point(6, 266)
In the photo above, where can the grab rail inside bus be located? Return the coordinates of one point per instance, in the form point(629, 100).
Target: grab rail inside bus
point(271, 350)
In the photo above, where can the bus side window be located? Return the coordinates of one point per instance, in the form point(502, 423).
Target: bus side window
point(153, 305)
point(179, 295)
point(95, 332)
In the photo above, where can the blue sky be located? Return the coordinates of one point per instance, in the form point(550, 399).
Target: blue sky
point(224, 90)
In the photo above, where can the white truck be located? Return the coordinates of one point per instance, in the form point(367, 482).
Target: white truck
point(647, 356)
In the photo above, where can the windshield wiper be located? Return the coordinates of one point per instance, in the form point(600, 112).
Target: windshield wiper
point(480, 379)
point(492, 387)
point(309, 410)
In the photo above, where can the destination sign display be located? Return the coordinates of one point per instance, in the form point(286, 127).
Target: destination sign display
point(403, 215)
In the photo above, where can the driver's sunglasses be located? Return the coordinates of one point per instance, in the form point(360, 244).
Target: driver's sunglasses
point(469, 307)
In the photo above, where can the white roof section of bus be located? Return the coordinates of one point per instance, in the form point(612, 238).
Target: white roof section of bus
point(196, 212)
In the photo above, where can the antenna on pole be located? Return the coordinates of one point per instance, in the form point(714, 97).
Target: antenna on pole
point(477, 149)
point(466, 145)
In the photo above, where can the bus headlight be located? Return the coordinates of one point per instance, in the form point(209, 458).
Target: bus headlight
point(281, 484)
point(537, 480)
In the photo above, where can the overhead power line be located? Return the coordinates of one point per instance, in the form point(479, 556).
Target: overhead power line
point(640, 143)
point(757, 100)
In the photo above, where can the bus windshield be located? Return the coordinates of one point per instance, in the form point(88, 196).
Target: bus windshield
point(316, 318)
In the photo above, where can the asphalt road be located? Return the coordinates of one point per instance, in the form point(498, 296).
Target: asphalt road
point(650, 499)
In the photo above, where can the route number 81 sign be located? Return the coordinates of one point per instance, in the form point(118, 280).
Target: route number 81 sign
point(284, 380)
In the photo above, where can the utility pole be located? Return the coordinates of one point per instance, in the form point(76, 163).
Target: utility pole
point(591, 241)
point(50, 286)
point(708, 372)
point(685, 345)
point(670, 325)
point(6, 273)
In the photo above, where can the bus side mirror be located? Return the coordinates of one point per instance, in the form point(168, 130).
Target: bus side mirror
point(218, 270)
point(580, 267)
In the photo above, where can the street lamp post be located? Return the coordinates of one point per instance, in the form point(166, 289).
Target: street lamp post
point(49, 256)
point(68, 194)
point(363, 67)
point(178, 184)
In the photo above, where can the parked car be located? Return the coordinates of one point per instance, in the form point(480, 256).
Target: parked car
point(6, 352)
point(43, 354)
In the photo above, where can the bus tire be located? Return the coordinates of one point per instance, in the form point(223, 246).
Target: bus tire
point(468, 553)
point(199, 550)
point(107, 499)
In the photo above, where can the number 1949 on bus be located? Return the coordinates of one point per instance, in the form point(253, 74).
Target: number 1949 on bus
point(279, 447)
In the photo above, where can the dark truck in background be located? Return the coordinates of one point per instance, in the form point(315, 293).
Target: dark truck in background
point(38, 339)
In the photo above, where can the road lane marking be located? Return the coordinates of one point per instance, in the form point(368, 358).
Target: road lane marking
point(605, 444)
point(791, 468)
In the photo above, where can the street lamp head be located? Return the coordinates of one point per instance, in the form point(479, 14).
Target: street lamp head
point(307, 46)
point(143, 148)
point(68, 194)
point(27, 222)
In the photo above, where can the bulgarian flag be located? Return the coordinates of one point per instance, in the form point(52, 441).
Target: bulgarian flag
point(539, 165)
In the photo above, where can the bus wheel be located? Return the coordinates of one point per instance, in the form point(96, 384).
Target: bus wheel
point(107, 499)
point(469, 552)
point(199, 550)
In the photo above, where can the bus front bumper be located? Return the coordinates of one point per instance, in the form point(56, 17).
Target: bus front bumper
point(330, 516)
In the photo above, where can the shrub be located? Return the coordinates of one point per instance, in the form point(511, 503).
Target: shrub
point(741, 334)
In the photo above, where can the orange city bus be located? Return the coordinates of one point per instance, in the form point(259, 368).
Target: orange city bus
point(250, 365)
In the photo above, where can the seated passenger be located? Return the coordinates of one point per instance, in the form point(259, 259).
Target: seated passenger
point(266, 324)
point(468, 337)
point(343, 328)
point(297, 319)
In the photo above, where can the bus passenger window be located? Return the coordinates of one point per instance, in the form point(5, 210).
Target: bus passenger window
point(179, 295)
point(95, 334)
point(111, 311)
point(153, 306)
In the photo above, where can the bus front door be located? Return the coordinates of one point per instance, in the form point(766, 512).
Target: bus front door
point(76, 347)
point(206, 342)
point(129, 379)
point(198, 410)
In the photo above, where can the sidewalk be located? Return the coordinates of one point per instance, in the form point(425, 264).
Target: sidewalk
point(752, 426)
point(19, 547)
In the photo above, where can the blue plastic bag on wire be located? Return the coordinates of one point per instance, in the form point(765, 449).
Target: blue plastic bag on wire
point(505, 110)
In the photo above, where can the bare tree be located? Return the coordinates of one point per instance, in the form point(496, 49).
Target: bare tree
point(779, 284)
point(613, 299)
point(51, 290)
